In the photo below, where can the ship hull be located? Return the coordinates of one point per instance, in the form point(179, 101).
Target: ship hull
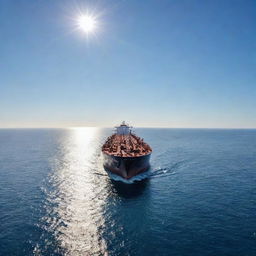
point(126, 167)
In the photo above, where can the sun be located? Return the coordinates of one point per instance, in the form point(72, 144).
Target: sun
point(87, 23)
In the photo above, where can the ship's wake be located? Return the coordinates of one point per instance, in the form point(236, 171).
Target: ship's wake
point(165, 171)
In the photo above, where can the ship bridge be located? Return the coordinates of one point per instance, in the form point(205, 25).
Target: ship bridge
point(123, 129)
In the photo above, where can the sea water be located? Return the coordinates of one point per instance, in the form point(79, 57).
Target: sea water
point(198, 198)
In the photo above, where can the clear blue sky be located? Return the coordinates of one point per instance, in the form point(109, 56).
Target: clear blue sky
point(155, 63)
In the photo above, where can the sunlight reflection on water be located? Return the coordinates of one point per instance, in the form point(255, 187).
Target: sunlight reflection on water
point(75, 199)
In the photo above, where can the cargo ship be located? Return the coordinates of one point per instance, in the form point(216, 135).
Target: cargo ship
point(126, 154)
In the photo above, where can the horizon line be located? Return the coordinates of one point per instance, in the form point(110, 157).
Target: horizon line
point(145, 127)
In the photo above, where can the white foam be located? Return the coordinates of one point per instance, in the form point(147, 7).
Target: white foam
point(138, 177)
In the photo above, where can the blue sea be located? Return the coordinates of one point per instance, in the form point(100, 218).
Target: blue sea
point(198, 198)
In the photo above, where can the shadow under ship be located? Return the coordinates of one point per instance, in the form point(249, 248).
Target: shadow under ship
point(126, 154)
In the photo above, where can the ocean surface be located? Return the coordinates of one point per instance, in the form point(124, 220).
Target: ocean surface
point(199, 197)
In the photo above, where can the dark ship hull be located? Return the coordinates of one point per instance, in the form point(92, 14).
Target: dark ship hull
point(126, 167)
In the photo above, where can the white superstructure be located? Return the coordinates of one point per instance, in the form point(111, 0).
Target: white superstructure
point(123, 129)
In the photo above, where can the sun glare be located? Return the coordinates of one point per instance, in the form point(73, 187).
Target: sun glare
point(87, 23)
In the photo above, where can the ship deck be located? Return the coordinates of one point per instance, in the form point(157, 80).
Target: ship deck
point(128, 145)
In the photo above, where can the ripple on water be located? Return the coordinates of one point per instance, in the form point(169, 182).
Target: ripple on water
point(74, 199)
point(198, 198)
